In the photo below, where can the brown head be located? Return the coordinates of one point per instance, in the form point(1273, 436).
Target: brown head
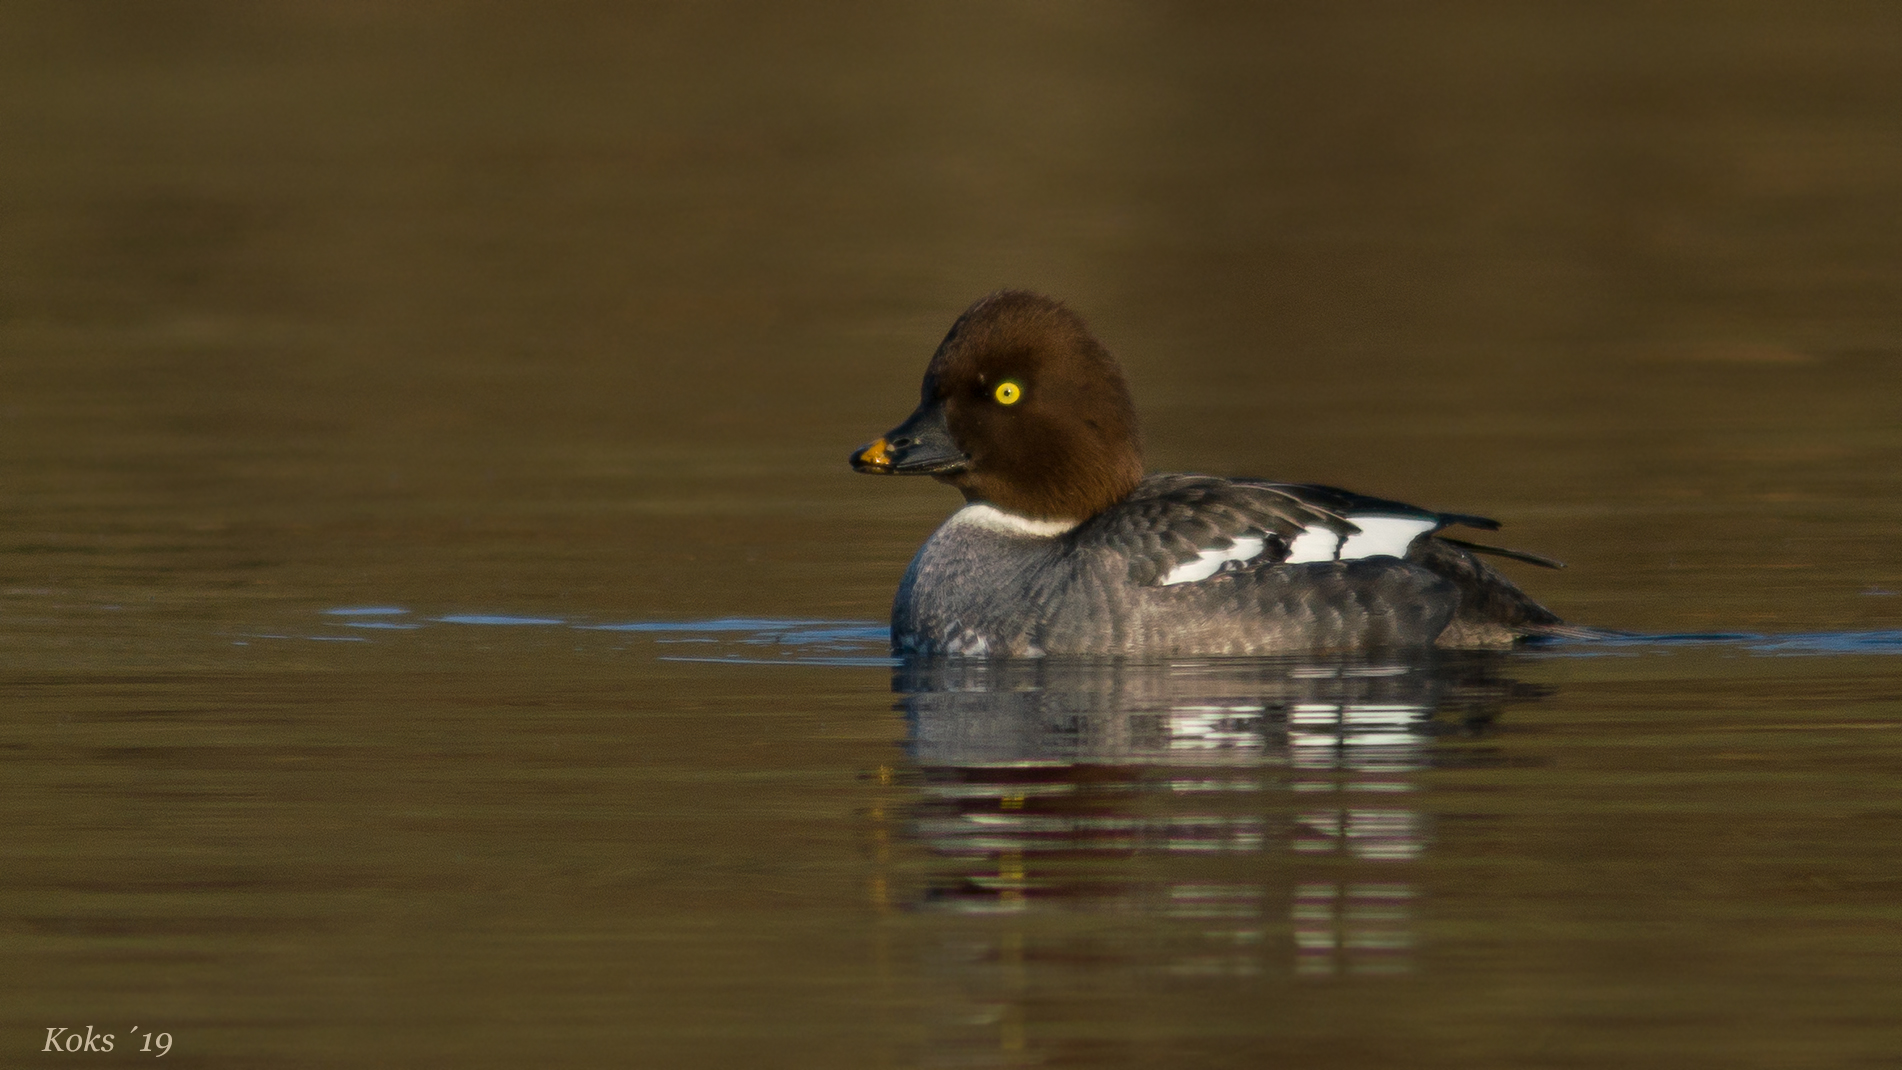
point(1022, 408)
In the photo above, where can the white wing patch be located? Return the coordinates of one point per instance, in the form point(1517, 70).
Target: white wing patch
point(1384, 536)
point(1209, 562)
point(1313, 544)
point(1379, 536)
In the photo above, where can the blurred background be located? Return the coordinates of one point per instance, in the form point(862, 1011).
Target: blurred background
point(579, 306)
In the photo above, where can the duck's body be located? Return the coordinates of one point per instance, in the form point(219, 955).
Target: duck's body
point(1064, 547)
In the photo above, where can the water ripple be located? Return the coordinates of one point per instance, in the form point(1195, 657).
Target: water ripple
point(738, 640)
point(774, 640)
point(1887, 641)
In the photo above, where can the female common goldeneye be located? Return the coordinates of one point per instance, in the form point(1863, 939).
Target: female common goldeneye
point(1065, 547)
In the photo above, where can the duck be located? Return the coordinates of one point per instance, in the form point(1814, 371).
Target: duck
point(1066, 545)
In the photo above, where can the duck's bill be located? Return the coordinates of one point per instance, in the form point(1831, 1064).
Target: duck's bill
point(921, 446)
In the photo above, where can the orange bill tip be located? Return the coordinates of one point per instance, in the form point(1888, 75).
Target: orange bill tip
point(875, 456)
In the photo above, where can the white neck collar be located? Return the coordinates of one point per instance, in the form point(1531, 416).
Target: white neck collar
point(991, 518)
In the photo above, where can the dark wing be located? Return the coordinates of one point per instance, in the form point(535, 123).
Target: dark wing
point(1171, 520)
point(1214, 525)
point(1493, 610)
point(1347, 503)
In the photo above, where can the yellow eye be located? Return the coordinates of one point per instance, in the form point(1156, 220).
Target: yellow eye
point(1009, 393)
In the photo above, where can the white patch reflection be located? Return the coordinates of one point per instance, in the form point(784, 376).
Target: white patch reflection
point(1356, 928)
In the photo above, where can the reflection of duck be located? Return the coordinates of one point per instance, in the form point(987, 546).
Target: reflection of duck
point(1065, 548)
point(1037, 777)
point(1351, 711)
point(1092, 827)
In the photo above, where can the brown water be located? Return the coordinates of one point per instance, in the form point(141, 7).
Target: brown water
point(544, 330)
